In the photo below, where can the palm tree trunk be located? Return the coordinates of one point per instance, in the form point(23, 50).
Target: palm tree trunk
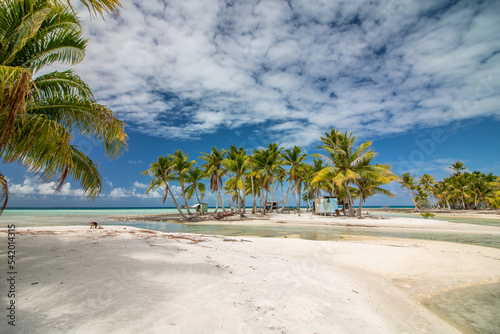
point(183, 215)
point(349, 198)
point(254, 207)
point(298, 205)
point(185, 201)
point(196, 192)
point(286, 197)
point(265, 202)
point(221, 198)
point(360, 204)
point(218, 191)
point(272, 196)
point(244, 194)
point(413, 200)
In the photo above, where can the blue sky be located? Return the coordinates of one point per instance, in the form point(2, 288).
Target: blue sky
point(419, 78)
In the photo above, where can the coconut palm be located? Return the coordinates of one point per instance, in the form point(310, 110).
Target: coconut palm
point(181, 167)
point(317, 166)
point(458, 167)
point(428, 182)
point(162, 171)
point(39, 115)
point(407, 181)
point(193, 178)
point(213, 168)
point(267, 163)
point(294, 158)
point(348, 164)
point(304, 177)
point(367, 188)
point(442, 192)
point(238, 164)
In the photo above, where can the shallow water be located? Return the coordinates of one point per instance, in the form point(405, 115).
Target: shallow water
point(66, 217)
point(312, 233)
point(468, 220)
point(472, 310)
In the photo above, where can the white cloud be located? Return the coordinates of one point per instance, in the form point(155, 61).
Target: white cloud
point(32, 186)
point(119, 193)
point(375, 68)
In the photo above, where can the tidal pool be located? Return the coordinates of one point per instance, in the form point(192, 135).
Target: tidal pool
point(312, 233)
point(472, 310)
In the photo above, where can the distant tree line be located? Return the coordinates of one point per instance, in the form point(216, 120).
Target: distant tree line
point(344, 171)
point(460, 191)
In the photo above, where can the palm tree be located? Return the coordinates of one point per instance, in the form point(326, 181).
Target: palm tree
point(213, 168)
point(458, 167)
point(407, 181)
point(317, 166)
point(427, 182)
point(367, 188)
point(194, 177)
point(182, 166)
point(304, 178)
point(267, 163)
point(162, 171)
point(38, 116)
point(348, 164)
point(442, 192)
point(238, 164)
point(294, 158)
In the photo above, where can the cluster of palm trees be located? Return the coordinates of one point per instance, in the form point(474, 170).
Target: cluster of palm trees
point(345, 172)
point(460, 191)
point(39, 114)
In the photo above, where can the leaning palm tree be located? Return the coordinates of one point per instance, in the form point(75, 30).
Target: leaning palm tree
point(428, 182)
point(193, 178)
point(162, 171)
point(213, 168)
point(182, 166)
point(407, 181)
point(39, 115)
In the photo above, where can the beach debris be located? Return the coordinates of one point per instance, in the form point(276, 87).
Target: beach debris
point(355, 291)
point(34, 283)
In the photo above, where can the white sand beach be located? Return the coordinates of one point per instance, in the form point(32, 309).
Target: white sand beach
point(72, 279)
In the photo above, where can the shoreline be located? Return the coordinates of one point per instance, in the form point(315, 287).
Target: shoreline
point(122, 279)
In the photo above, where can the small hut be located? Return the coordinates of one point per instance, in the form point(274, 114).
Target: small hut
point(326, 206)
point(274, 206)
point(200, 207)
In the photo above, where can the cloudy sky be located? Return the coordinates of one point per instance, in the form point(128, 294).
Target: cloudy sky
point(419, 78)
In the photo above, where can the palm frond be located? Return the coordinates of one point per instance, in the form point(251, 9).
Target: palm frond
point(65, 83)
point(102, 7)
point(88, 118)
point(14, 91)
point(4, 192)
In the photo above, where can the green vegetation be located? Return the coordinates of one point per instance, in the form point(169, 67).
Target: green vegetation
point(460, 191)
point(427, 215)
point(39, 114)
point(349, 174)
